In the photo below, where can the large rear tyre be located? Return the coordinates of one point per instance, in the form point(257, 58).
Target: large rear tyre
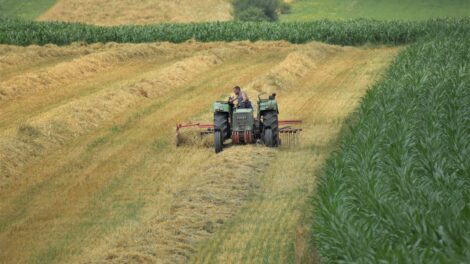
point(221, 124)
point(218, 141)
point(270, 121)
point(268, 138)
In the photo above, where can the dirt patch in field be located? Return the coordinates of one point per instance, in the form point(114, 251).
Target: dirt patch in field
point(109, 12)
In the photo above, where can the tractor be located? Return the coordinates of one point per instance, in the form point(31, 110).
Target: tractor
point(241, 126)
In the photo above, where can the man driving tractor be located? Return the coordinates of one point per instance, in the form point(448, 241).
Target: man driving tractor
point(241, 98)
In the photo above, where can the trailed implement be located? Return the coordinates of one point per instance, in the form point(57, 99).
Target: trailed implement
point(241, 126)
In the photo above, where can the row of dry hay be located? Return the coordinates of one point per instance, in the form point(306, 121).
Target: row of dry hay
point(214, 191)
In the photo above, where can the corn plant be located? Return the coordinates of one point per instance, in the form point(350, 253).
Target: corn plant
point(397, 191)
point(350, 32)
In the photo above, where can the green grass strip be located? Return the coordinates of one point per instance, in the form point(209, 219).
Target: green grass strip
point(307, 10)
point(26, 9)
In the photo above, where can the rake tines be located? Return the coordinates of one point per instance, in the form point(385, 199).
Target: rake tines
point(290, 136)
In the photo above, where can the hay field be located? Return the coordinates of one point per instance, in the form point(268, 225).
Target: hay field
point(110, 12)
point(89, 172)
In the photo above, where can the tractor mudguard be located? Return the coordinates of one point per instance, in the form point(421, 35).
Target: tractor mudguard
point(268, 105)
point(220, 106)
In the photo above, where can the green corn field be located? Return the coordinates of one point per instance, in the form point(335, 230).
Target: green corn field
point(349, 32)
point(397, 191)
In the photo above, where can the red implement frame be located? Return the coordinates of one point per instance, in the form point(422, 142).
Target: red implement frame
point(290, 122)
point(284, 128)
point(287, 128)
point(209, 127)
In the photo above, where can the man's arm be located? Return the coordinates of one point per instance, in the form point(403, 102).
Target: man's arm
point(232, 98)
point(245, 97)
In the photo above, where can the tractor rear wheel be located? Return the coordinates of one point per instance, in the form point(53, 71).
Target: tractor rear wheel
point(221, 124)
point(270, 121)
point(218, 141)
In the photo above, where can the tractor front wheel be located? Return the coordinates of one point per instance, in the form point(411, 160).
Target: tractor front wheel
point(218, 141)
point(268, 138)
point(271, 123)
point(221, 124)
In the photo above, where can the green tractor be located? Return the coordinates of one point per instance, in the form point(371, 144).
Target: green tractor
point(241, 126)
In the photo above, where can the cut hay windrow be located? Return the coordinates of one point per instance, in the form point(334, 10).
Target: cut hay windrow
point(197, 211)
point(296, 65)
point(12, 57)
point(69, 72)
point(194, 137)
point(50, 130)
point(96, 59)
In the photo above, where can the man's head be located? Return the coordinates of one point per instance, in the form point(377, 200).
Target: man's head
point(236, 90)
